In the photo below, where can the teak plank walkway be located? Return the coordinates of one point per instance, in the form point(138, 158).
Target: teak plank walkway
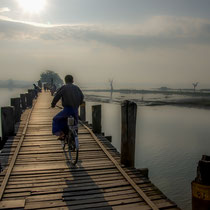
point(43, 178)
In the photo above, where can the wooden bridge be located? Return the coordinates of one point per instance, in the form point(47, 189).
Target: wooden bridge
point(38, 174)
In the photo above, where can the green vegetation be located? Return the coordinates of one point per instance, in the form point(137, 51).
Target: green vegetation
point(51, 77)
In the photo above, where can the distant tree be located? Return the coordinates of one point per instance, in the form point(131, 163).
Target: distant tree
point(195, 85)
point(111, 84)
point(111, 88)
point(51, 77)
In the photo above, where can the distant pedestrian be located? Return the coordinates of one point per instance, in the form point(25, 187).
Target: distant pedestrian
point(37, 89)
point(53, 89)
point(40, 84)
point(45, 87)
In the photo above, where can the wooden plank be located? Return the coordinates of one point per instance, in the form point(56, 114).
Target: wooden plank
point(18, 195)
point(13, 204)
point(66, 187)
point(92, 203)
point(82, 195)
point(64, 181)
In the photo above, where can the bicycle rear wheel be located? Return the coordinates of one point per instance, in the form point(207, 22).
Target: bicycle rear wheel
point(73, 147)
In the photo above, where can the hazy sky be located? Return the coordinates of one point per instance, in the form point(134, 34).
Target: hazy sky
point(144, 42)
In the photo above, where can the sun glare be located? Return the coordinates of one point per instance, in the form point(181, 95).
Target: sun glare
point(32, 6)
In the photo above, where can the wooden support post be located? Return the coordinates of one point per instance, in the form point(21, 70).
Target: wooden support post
point(109, 138)
point(1, 169)
point(16, 103)
point(23, 101)
point(201, 185)
point(96, 118)
point(144, 171)
point(29, 100)
point(32, 92)
point(82, 112)
point(7, 122)
point(128, 133)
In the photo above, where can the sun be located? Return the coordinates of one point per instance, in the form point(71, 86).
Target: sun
point(32, 6)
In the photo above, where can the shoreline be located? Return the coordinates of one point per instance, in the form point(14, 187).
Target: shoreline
point(191, 102)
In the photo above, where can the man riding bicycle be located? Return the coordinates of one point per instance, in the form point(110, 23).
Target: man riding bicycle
point(72, 97)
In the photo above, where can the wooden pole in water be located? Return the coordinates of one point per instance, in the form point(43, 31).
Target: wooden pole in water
point(7, 122)
point(128, 133)
point(96, 119)
point(29, 100)
point(201, 185)
point(82, 112)
point(16, 103)
point(109, 138)
point(23, 101)
point(32, 92)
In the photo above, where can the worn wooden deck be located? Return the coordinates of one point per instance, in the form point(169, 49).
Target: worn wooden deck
point(42, 177)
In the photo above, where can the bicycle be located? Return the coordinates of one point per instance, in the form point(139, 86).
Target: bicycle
point(71, 139)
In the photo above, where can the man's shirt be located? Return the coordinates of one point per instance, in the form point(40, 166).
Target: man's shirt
point(71, 96)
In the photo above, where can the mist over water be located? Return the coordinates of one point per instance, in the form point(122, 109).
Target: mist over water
point(7, 94)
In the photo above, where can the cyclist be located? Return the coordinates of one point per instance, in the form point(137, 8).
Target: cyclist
point(72, 97)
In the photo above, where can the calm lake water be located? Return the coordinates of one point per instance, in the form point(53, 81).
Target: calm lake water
point(170, 141)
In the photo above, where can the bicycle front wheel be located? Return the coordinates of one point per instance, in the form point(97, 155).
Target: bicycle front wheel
point(73, 148)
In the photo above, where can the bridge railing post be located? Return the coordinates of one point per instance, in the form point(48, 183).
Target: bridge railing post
point(128, 133)
point(96, 118)
point(32, 92)
point(23, 101)
point(29, 99)
point(83, 112)
point(7, 122)
point(15, 102)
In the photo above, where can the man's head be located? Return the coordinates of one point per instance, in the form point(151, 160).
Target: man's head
point(69, 79)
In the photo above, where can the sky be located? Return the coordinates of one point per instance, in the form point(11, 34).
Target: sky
point(137, 43)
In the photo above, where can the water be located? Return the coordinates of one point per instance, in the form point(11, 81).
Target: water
point(169, 141)
point(6, 95)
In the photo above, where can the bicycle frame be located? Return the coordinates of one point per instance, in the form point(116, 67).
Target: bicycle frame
point(73, 128)
point(72, 147)
point(73, 144)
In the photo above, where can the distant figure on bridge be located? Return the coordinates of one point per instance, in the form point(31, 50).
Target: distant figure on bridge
point(40, 84)
point(37, 89)
point(45, 87)
point(53, 89)
point(72, 97)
